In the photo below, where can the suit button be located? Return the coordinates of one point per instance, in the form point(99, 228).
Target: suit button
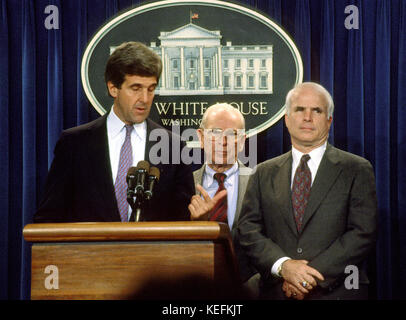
point(299, 250)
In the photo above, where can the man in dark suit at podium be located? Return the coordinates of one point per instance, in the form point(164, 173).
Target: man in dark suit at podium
point(87, 178)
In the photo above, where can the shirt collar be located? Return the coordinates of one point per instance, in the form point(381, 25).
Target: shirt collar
point(115, 126)
point(229, 173)
point(315, 155)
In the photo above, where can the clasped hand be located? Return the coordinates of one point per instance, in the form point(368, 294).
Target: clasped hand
point(299, 278)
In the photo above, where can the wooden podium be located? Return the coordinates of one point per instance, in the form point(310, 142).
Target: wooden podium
point(134, 260)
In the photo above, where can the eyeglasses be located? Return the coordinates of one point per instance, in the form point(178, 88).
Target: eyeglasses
point(217, 133)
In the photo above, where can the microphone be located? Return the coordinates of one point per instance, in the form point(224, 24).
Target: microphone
point(131, 175)
point(138, 185)
point(153, 178)
point(141, 172)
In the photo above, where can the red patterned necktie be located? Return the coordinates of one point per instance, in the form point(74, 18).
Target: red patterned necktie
point(301, 190)
point(120, 186)
point(219, 212)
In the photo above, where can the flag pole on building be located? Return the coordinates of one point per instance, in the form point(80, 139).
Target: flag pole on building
point(192, 16)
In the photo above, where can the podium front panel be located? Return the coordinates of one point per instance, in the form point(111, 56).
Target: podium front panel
point(118, 270)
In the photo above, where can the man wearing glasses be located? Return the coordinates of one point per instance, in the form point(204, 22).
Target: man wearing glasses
point(221, 182)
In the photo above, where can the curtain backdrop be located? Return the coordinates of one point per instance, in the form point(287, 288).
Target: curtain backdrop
point(364, 69)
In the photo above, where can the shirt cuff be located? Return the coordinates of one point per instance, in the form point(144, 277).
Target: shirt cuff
point(276, 265)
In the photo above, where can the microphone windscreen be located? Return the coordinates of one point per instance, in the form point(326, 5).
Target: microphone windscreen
point(131, 172)
point(154, 171)
point(143, 165)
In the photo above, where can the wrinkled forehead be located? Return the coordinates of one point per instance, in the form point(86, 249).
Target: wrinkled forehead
point(308, 96)
point(224, 119)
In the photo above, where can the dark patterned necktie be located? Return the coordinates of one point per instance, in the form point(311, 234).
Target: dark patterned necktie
point(120, 186)
point(219, 212)
point(301, 190)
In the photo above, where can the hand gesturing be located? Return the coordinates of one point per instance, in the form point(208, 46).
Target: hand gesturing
point(200, 208)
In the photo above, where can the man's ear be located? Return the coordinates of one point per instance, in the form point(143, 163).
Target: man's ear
point(286, 120)
point(241, 143)
point(112, 89)
point(329, 121)
point(201, 138)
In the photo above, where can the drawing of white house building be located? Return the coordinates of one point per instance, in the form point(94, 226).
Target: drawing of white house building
point(195, 63)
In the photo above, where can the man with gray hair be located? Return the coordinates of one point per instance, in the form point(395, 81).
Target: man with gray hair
point(309, 215)
point(221, 182)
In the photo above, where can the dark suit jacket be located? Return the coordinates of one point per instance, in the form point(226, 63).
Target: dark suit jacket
point(339, 226)
point(79, 186)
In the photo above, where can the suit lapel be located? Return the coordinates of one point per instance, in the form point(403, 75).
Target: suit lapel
point(99, 159)
point(149, 143)
point(242, 186)
point(151, 125)
point(198, 176)
point(284, 192)
point(326, 176)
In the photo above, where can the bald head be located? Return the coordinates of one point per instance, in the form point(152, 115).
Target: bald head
point(223, 111)
point(222, 135)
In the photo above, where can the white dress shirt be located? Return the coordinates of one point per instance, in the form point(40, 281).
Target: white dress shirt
point(116, 135)
point(231, 184)
point(315, 158)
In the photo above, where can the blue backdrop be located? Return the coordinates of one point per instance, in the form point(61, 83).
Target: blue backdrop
point(364, 69)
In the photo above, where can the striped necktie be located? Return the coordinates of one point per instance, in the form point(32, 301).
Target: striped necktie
point(120, 186)
point(219, 212)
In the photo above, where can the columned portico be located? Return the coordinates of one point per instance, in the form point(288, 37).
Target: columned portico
point(182, 68)
point(195, 62)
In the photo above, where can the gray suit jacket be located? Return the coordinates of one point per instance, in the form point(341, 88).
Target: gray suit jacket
point(246, 269)
point(242, 186)
point(339, 226)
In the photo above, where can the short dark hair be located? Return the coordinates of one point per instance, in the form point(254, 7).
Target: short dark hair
point(132, 58)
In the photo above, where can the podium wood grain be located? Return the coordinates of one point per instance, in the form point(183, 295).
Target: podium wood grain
point(122, 260)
